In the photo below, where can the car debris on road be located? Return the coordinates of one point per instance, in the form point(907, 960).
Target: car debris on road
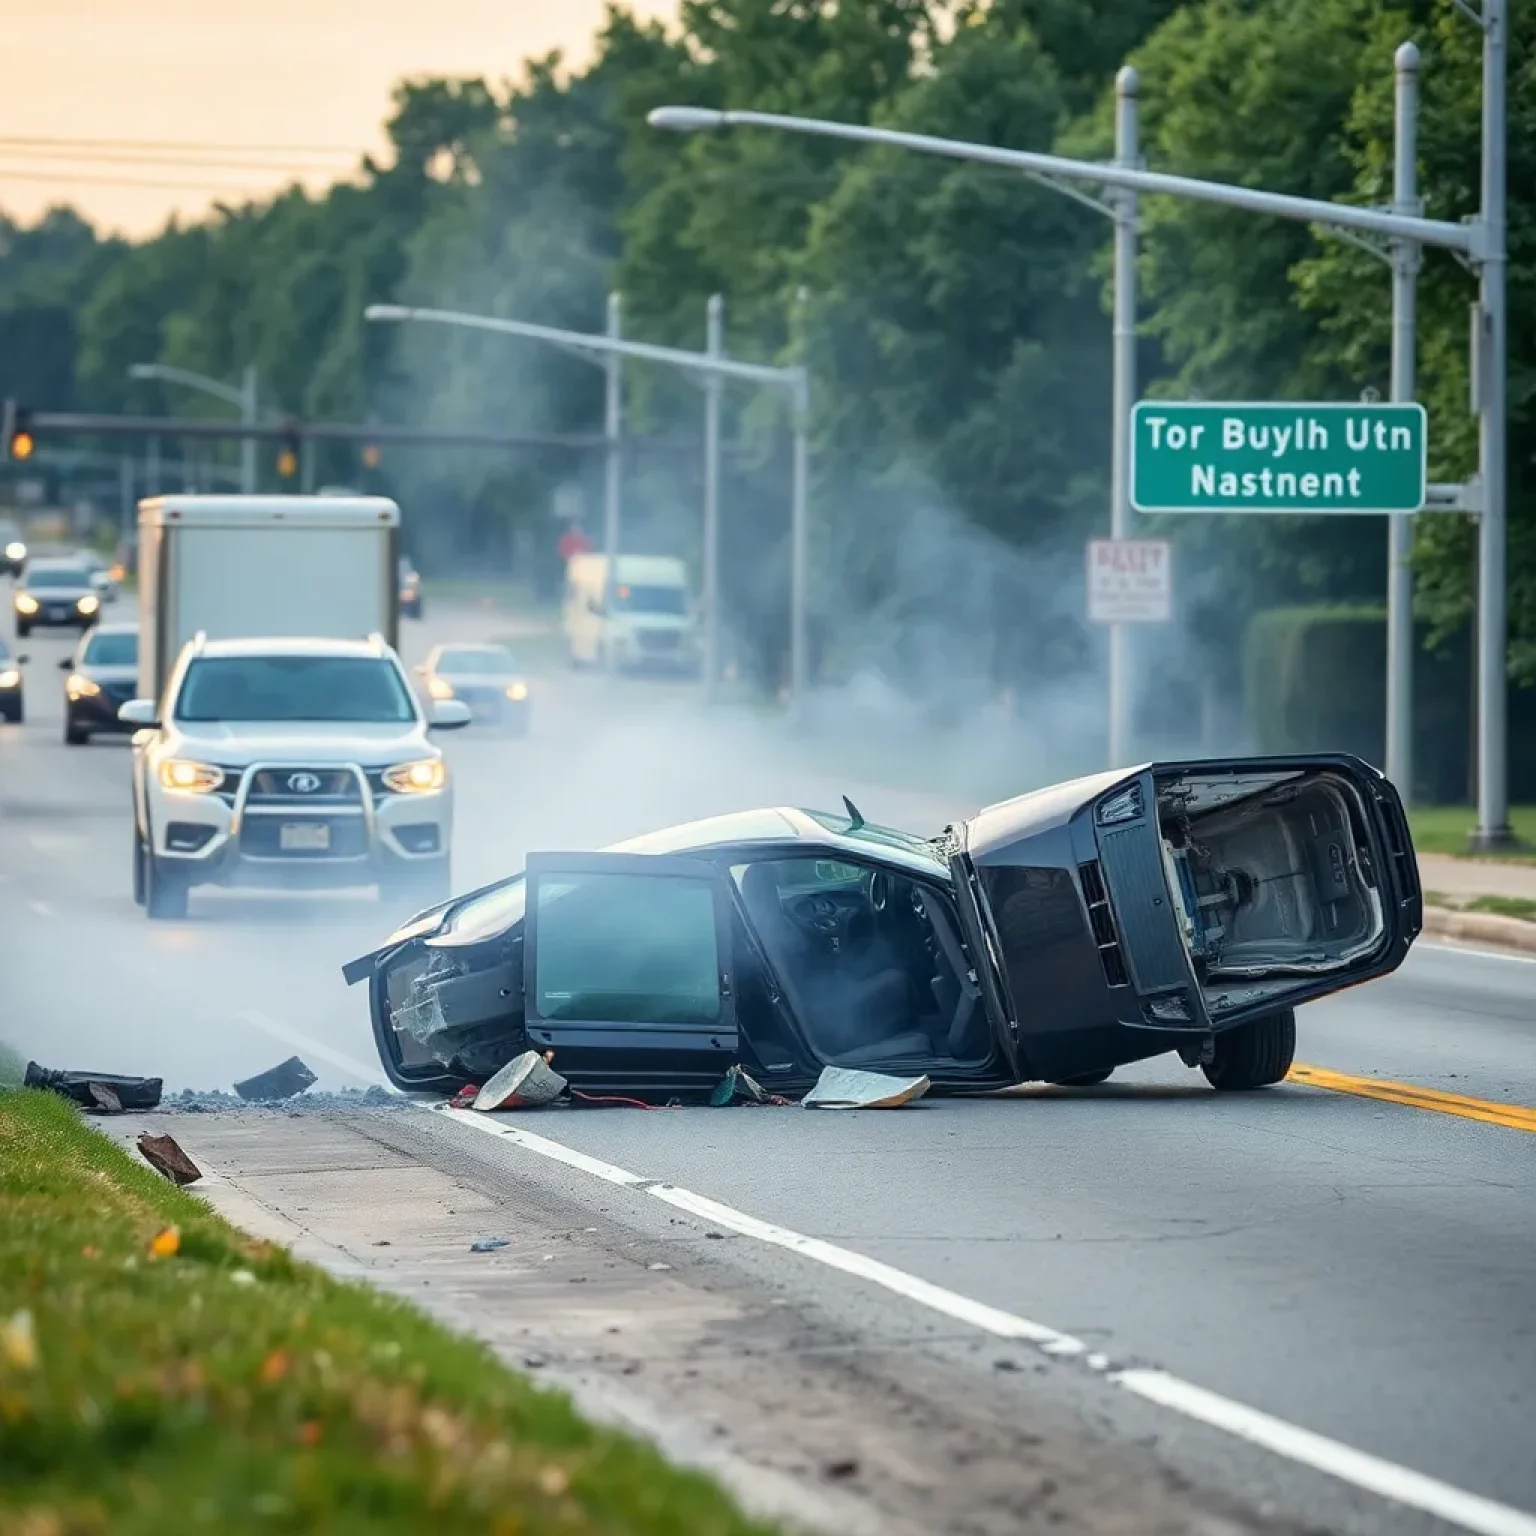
point(286, 1080)
point(1175, 907)
point(844, 1088)
point(166, 1157)
point(104, 1091)
point(526, 1082)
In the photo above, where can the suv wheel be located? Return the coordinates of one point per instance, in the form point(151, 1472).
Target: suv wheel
point(165, 896)
point(1253, 1055)
point(75, 735)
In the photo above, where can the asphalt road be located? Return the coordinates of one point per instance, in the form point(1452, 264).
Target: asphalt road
point(1360, 1268)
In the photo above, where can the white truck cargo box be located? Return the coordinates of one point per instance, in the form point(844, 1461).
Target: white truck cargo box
point(237, 567)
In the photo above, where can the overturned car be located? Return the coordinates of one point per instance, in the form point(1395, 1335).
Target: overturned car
point(1178, 907)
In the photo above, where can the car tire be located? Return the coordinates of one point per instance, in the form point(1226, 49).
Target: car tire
point(22, 630)
point(1085, 1079)
point(13, 712)
point(1254, 1055)
point(165, 897)
point(140, 855)
point(75, 735)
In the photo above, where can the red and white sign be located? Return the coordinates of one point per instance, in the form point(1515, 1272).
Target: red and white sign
point(1130, 581)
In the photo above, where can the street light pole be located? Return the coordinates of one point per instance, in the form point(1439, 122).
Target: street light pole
point(250, 408)
point(1123, 392)
point(1489, 367)
point(613, 408)
point(1405, 258)
point(714, 347)
point(800, 406)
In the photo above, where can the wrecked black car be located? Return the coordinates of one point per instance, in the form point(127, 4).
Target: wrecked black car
point(1177, 907)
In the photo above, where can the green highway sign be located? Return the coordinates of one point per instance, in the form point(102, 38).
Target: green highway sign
point(1211, 457)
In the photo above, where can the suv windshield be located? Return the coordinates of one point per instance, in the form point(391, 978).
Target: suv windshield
point(57, 576)
point(347, 689)
point(633, 599)
point(486, 663)
point(118, 650)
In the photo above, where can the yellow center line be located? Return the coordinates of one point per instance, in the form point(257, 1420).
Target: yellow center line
point(1514, 1117)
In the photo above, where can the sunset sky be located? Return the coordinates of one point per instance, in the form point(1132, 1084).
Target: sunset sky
point(134, 109)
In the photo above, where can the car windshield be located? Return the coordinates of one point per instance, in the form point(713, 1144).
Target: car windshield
point(629, 598)
point(58, 576)
point(109, 650)
point(352, 689)
point(486, 663)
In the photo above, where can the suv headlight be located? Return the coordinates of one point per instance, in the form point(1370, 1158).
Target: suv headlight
point(189, 777)
point(78, 687)
point(25, 603)
point(88, 604)
point(418, 778)
point(10, 678)
point(517, 692)
point(16, 550)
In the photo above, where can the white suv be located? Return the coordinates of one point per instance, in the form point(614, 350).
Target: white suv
point(289, 763)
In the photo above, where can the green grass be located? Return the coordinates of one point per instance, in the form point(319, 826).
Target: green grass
point(1522, 907)
point(229, 1388)
point(1444, 829)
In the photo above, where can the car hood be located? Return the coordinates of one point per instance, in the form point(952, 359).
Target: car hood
point(470, 681)
point(57, 594)
point(312, 741)
point(122, 674)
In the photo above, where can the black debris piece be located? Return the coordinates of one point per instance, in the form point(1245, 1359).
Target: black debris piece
point(164, 1156)
point(489, 1244)
point(739, 1086)
point(847, 1466)
point(85, 1087)
point(283, 1081)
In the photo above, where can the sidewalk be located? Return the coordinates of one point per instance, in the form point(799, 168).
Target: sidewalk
point(1449, 876)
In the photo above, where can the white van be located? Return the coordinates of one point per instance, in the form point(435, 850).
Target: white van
point(644, 616)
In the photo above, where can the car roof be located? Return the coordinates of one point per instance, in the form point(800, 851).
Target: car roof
point(112, 629)
point(290, 646)
point(474, 647)
point(55, 563)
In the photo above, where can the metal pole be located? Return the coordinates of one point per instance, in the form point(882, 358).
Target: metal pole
point(714, 346)
point(124, 492)
point(613, 409)
point(249, 407)
point(1405, 269)
point(307, 465)
point(1123, 394)
point(801, 405)
point(152, 467)
point(1492, 779)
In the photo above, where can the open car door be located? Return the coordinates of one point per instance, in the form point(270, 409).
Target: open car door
point(628, 974)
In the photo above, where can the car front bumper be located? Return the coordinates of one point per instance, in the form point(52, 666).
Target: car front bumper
point(98, 711)
point(232, 837)
point(57, 616)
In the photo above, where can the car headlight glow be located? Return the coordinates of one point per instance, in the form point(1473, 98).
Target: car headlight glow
point(440, 688)
point(15, 551)
point(418, 778)
point(26, 603)
point(517, 692)
point(79, 687)
point(189, 777)
point(10, 678)
point(88, 604)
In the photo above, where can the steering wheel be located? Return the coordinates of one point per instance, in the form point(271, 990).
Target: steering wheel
point(828, 916)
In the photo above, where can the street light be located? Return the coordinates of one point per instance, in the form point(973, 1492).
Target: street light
point(1480, 241)
point(708, 365)
point(244, 397)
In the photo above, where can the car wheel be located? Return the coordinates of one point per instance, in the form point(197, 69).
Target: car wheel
point(140, 854)
point(1085, 1080)
point(1253, 1055)
point(164, 895)
point(13, 712)
point(22, 630)
point(75, 735)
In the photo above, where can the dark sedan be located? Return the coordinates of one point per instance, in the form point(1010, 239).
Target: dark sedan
point(1178, 907)
point(103, 676)
point(485, 677)
point(58, 593)
point(13, 692)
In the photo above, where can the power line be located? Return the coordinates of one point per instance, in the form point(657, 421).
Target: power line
point(157, 158)
point(42, 140)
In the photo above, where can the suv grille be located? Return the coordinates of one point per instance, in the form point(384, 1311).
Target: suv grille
point(298, 787)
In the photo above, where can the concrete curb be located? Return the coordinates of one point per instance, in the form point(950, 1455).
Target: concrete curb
point(1481, 928)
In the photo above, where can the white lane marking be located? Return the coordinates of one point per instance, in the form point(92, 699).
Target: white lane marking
point(308, 1044)
point(1453, 1505)
point(41, 908)
point(1373, 1474)
point(1464, 948)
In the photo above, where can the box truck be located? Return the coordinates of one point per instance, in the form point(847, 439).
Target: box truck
point(236, 567)
point(640, 614)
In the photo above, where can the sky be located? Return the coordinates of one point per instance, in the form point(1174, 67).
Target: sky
point(133, 110)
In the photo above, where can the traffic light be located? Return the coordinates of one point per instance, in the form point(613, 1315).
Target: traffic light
point(288, 453)
point(371, 455)
point(20, 442)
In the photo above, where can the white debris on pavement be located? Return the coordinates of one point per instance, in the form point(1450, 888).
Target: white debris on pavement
point(845, 1088)
point(526, 1082)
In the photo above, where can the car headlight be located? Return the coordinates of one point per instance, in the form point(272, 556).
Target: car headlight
point(10, 678)
point(517, 692)
point(78, 687)
point(418, 778)
point(88, 604)
point(25, 603)
point(189, 777)
point(15, 551)
point(440, 688)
